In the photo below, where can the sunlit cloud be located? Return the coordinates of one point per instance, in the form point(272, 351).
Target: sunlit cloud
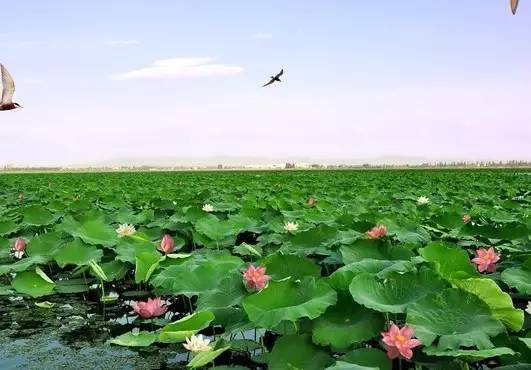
point(122, 42)
point(180, 68)
point(262, 36)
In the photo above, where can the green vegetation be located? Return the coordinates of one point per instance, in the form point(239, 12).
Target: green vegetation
point(331, 285)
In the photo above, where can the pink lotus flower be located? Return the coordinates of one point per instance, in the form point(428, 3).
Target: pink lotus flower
point(466, 219)
point(255, 277)
point(486, 259)
point(20, 245)
point(399, 342)
point(377, 232)
point(167, 245)
point(150, 308)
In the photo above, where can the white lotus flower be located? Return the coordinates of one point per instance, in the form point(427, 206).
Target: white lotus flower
point(423, 200)
point(125, 230)
point(197, 344)
point(291, 226)
point(208, 208)
point(528, 309)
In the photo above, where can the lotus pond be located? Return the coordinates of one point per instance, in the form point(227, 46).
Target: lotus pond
point(398, 269)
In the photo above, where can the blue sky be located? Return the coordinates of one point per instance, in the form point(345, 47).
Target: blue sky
point(437, 79)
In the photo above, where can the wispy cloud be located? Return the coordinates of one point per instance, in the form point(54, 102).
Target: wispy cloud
point(28, 44)
point(122, 42)
point(30, 80)
point(262, 36)
point(180, 68)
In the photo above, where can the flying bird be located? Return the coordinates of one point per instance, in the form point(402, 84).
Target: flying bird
point(514, 6)
point(275, 78)
point(8, 89)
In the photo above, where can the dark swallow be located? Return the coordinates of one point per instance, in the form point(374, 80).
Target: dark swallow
point(514, 6)
point(275, 78)
point(8, 89)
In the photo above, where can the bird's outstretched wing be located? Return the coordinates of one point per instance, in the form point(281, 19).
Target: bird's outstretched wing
point(514, 6)
point(8, 86)
point(269, 83)
point(280, 73)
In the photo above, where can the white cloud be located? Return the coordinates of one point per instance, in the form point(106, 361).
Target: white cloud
point(30, 80)
point(180, 68)
point(122, 42)
point(262, 36)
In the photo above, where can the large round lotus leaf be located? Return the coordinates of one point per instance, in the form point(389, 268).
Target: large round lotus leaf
point(500, 303)
point(346, 323)
point(229, 292)
point(297, 352)
point(45, 244)
point(204, 358)
point(37, 216)
point(77, 253)
point(280, 266)
point(215, 229)
point(320, 236)
point(140, 339)
point(23, 264)
point(457, 317)
point(33, 284)
point(184, 328)
point(342, 365)
point(197, 275)
point(8, 227)
point(518, 278)
point(342, 277)
point(448, 261)
point(289, 301)
point(128, 248)
point(470, 354)
point(369, 357)
point(397, 291)
point(92, 230)
point(373, 249)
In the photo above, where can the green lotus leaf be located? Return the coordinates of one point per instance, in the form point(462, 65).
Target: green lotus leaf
point(342, 365)
point(229, 292)
point(146, 263)
point(457, 317)
point(45, 244)
point(77, 253)
point(289, 301)
point(397, 291)
point(23, 265)
point(195, 276)
point(280, 266)
point(204, 358)
point(92, 230)
point(369, 357)
point(127, 249)
point(346, 323)
point(526, 341)
point(500, 303)
point(518, 278)
point(139, 339)
point(215, 229)
point(297, 352)
point(373, 249)
point(70, 286)
point(470, 354)
point(448, 261)
point(113, 270)
point(342, 277)
point(184, 328)
point(31, 283)
point(8, 227)
point(320, 236)
point(37, 216)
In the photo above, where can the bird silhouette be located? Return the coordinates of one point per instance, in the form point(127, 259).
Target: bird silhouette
point(275, 78)
point(8, 89)
point(514, 6)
